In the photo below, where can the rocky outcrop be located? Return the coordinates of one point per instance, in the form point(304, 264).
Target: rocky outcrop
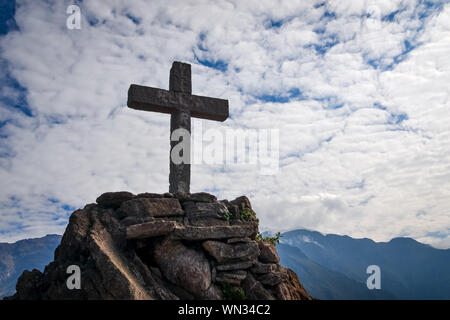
point(163, 246)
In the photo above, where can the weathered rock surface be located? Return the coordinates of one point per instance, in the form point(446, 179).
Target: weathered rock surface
point(151, 207)
point(205, 213)
point(235, 266)
point(150, 229)
point(216, 232)
point(185, 267)
point(262, 268)
point(233, 278)
point(163, 246)
point(224, 253)
point(268, 252)
point(114, 199)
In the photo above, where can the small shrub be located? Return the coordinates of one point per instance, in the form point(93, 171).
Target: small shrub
point(274, 240)
point(227, 216)
point(247, 214)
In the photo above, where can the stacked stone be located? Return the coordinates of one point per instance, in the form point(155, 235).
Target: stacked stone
point(199, 245)
point(163, 246)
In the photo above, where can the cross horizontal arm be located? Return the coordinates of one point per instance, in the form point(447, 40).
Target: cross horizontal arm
point(159, 100)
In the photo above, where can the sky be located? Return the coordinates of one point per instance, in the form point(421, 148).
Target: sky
point(359, 91)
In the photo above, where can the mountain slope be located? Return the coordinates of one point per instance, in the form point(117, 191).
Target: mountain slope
point(23, 255)
point(409, 269)
point(324, 283)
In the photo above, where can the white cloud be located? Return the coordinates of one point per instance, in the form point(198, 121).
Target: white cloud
point(375, 167)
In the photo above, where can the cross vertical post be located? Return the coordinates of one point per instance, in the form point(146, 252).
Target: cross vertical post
point(180, 81)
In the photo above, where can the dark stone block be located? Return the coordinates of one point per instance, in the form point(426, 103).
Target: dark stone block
point(114, 199)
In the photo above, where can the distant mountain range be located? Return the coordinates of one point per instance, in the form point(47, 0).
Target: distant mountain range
point(334, 267)
point(24, 255)
point(329, 266)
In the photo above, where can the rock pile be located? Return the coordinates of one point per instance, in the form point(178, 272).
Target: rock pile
point(164, 246)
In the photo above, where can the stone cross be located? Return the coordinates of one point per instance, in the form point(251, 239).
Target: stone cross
point(181, 104)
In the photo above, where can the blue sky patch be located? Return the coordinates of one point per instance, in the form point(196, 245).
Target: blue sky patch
point(134, 19)
point(293, 93)
point(391, 16)
point(328, 15)
point(398, 118)
point(7, 12)
point(218, 65)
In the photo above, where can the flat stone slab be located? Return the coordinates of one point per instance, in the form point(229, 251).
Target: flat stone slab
point(234, 266)
point(114, 199)
point(233, 278)
point(204, 214)
point(196, 197)
point(150, 229)
point(149, 195)
point(205, 209)
point(205, 222)
point(236, 240)
point(215, 232)
point(263, 268)
point(151, 207)
point(224, 253)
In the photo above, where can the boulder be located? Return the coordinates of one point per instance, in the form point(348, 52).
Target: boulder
point(149, 195)
point(234, 266)
point(185, 267)
point(224, 253)
point(268, 252)
point(261, 268)
point(242, 200)
point(254, 290)
point(196, 197)
point(150, 229)
point(205, 209)
point(192, 233)
point(202, 197)
point(205, 213)
point(30, 283)
point(235, 206)
point(151, 207)
point(114, 199)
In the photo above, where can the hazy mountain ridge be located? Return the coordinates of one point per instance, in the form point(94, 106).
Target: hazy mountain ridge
point(23, 255)
point(324, 283)
point(409, 269)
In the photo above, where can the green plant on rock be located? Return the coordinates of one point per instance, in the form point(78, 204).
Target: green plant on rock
point(227, 216)
point(231, 292)
point(274, 239)
point(247, 214)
